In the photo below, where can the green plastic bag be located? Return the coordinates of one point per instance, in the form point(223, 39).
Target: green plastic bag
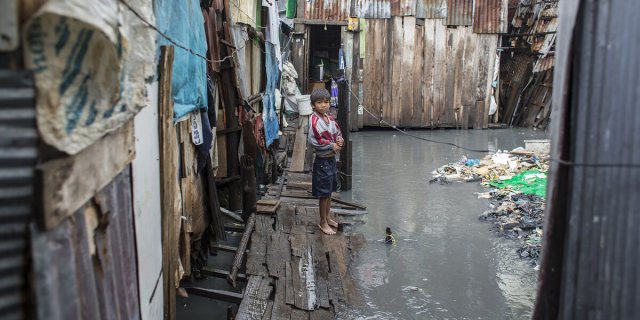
point(527, 182)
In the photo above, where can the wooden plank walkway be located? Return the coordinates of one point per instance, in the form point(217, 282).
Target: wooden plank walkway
point(295, 271)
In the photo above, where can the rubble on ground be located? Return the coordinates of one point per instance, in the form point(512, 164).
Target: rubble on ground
point(517, 196)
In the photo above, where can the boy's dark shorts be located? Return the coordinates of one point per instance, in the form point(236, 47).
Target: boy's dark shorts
point(325, 177)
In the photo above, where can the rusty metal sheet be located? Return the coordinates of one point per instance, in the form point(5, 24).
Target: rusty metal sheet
point(400, 8)
point(459, 12)
point(490, 16)
point(332, 10)
point(18, 152)
point(372, 8)
point(86, 267)
point(431, 9)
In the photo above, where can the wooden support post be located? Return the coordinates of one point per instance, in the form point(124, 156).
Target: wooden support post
point(248, 178)
point(237, 259)
point(169, 184)
point(343, 121)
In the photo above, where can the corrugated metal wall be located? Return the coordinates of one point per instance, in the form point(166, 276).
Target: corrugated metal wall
point(18, 143)
point(490, 16)
point(459, 12)
point(593, 209)
point(332, 10)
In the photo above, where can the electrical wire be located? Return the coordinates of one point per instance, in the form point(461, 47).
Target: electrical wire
point(407, 133)
point(177, 44)
point(560, 161)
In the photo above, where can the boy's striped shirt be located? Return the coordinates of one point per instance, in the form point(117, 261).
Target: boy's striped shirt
point(322, 134)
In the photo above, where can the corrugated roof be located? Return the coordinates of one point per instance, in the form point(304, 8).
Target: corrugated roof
point(490, 16)
point(459, 12)
point(431, 9)
point(333, 10)
point(372, 8)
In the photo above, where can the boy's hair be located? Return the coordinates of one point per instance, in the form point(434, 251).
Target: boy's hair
point(320, 94)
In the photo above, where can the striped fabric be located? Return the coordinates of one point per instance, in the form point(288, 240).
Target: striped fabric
point(322, 134)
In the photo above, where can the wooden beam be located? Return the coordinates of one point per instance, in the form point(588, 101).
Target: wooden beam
point(299, 147)
point(237, 259)
point(221, 295)
point(319, 22)
point(222, 274)
point(69, 182)
point(169, 189)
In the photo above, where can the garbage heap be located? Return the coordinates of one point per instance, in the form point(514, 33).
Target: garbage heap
point(517, 180)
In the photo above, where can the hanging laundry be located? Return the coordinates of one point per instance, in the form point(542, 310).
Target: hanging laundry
point(341, 59)
point(334, 93)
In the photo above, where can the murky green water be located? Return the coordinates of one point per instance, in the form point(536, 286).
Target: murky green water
point(447, 264)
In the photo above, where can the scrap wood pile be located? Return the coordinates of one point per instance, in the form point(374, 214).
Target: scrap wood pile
point(518, 182)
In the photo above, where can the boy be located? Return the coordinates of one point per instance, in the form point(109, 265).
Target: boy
point(326, 138)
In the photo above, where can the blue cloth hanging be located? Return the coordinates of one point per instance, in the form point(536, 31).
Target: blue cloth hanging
point(269, 115)
point(183, 22)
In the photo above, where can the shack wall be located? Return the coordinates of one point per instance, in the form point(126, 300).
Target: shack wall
point(424, 74)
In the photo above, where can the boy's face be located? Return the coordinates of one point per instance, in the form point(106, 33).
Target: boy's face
point(321, 106)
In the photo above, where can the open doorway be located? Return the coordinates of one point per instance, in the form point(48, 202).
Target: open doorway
point(324, 55)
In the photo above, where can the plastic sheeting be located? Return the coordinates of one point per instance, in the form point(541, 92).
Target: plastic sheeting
point(183, 22)
point(90, 61)
point(269, 116)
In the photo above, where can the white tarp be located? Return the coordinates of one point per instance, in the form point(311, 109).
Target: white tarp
point(90, 61)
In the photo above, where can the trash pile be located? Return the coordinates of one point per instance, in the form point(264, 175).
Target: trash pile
point(518, 180)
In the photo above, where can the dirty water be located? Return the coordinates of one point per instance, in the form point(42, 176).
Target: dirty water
point(446, 263)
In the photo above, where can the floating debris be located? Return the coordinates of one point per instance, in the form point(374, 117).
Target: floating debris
point(518, 180)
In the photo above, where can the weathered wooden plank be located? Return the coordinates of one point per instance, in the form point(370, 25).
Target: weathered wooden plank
point(278, 255)
point(237, 258)
point(470, 75)
point(71, 181)
point(428, 69)
point(321, 314)
point(418, 77)
point(222, 295)
point(347, 212)
point(256, 259)
point(439, 73)
point(385, 63)
point(299, 314)
point(268, 310)
point(369, 70)
point(305, 185)
point(285, 217)
point(268, 206)
point(405, 108)
point(307, 216)
point(391, 111)
point(255, 301)
point(336, 296)
point(299, 147)
point(379, 68)
point(281, 310)
point(289, 287)
point(298, 240)
point(169, 190)
point(458, 109)
point(322, 271)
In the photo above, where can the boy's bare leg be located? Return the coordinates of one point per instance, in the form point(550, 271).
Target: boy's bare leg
point(325, 203)
point(330, 220)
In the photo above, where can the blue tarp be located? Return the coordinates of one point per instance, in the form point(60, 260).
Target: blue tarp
point(183, 22)
point(269, 116)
